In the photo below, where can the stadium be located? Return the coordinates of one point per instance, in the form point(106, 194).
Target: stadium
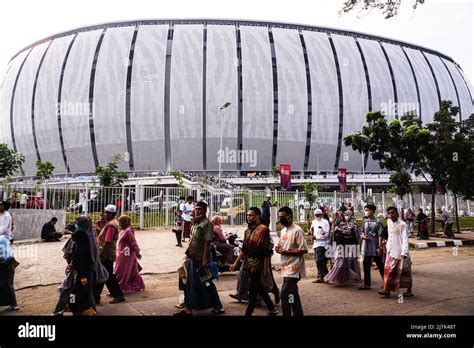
point(191, 95)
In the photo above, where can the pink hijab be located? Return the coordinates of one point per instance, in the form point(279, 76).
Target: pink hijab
point(217, 221)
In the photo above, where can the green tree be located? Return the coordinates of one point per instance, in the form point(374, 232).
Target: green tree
point(309, 190)
point(109, 175)
point(405, 145)
point(389, 8)
point(391, 144)
point(275, 175)
point(401, 183)
point(178, 175)
point(10, 161)
point(44, 170)
point(450, 156)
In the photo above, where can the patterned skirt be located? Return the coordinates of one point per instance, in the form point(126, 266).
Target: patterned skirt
point(397, 274)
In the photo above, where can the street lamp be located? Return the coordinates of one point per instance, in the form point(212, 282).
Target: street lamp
point(221, 113)
point(363, 174)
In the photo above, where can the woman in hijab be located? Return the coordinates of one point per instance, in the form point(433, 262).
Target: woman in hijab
point(352, 224)
point(220, 241)
point(127, 269)
point(344, 236)
point(7, 274)
point(84, 270)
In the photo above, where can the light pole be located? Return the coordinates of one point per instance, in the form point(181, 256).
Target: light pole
point(221, 113)
point(363, 175)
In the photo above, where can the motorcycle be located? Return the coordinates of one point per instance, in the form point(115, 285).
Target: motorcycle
point(219, 258)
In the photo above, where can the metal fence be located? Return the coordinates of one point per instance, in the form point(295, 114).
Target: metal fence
point(153, 206)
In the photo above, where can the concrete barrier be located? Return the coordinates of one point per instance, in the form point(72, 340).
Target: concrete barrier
point(29, 222)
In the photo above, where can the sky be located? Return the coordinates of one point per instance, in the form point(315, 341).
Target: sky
point(443, 25)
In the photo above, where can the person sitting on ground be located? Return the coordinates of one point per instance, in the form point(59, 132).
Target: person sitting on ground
point(48, 232)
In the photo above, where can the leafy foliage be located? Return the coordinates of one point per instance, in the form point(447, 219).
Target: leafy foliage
point(389, 8)
point(109, 175)
point(10, 161)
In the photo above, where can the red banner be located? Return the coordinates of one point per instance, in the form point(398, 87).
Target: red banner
point(285, 177)
point(341, 174)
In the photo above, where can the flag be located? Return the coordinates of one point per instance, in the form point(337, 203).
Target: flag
point(341, 174)
point(285, 177)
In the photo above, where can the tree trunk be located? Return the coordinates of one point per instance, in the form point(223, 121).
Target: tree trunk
point(456, 212)
point(433, 208)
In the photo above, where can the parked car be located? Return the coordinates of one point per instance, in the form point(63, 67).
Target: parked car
point(97, 203)
point(158, 203)
point(302, 202)
point(36, 202)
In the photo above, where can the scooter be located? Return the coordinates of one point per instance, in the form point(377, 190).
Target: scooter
point(219, 258)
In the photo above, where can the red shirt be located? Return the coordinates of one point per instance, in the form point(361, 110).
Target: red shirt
point(110, 233)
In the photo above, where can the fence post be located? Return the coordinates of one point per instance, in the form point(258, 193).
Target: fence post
point(142, 198)
point(122, 208)
point(335, 200)
point(85, 206)
point(469, 207)
point(410, 197)
point(446, 200)
point(231, 210)
point(352, 200)
point(383, 202)
point(167, 212)
point(297, 202)
point(45, 195)
point(250, 199)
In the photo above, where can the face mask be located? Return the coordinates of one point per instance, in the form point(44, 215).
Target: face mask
point(283, 221)
point(319, 218)
point(347, 218)
point(76, 228)
point(366, 213)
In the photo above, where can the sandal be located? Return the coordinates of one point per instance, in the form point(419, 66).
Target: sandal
point(409, 294)
point(216, 311)
point(384, 294)
point(183, 313)
point(235, 297)
point(363, 287)
point(273, 312)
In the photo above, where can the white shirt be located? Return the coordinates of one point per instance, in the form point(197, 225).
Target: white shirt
point(187, 208)
point(6, 225)
point(321, 234)
point(23, 198)
point(293, 238)
point(397, 243)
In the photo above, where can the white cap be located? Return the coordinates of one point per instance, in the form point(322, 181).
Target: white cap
point(268, 195)
point(318, 212)
point(111, 208)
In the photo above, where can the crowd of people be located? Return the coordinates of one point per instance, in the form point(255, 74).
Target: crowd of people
point(338, 242)
point(106, 253)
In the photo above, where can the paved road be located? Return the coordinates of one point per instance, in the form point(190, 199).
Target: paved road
point(443, 284)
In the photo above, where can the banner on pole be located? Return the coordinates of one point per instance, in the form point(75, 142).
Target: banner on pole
point(285, 177)
point(342, 174)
